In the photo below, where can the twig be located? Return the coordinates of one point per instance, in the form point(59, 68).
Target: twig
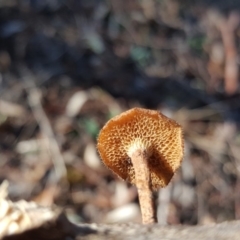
point(34, 101)
point(164, 197)
point(228, 28)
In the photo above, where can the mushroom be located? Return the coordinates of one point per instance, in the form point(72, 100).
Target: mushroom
point(145, 148)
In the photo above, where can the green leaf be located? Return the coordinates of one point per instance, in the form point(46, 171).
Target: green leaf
point(91, 127)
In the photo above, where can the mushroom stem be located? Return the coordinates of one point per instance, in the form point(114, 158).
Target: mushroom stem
point(142, 179)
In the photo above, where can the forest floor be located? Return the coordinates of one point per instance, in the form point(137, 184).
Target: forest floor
point(69, 66)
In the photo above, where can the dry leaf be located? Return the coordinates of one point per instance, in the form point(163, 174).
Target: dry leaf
point(16, 217)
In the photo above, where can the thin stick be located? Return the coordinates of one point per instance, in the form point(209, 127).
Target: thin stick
point(34, 101)
point(145, 194)
point(164, 196)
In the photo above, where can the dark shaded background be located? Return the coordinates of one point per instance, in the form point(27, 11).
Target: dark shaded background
point(68, 66)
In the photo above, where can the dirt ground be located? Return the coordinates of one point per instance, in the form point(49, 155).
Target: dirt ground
point(66, 67)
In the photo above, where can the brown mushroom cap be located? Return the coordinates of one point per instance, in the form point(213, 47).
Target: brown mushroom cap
point(160, 137)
